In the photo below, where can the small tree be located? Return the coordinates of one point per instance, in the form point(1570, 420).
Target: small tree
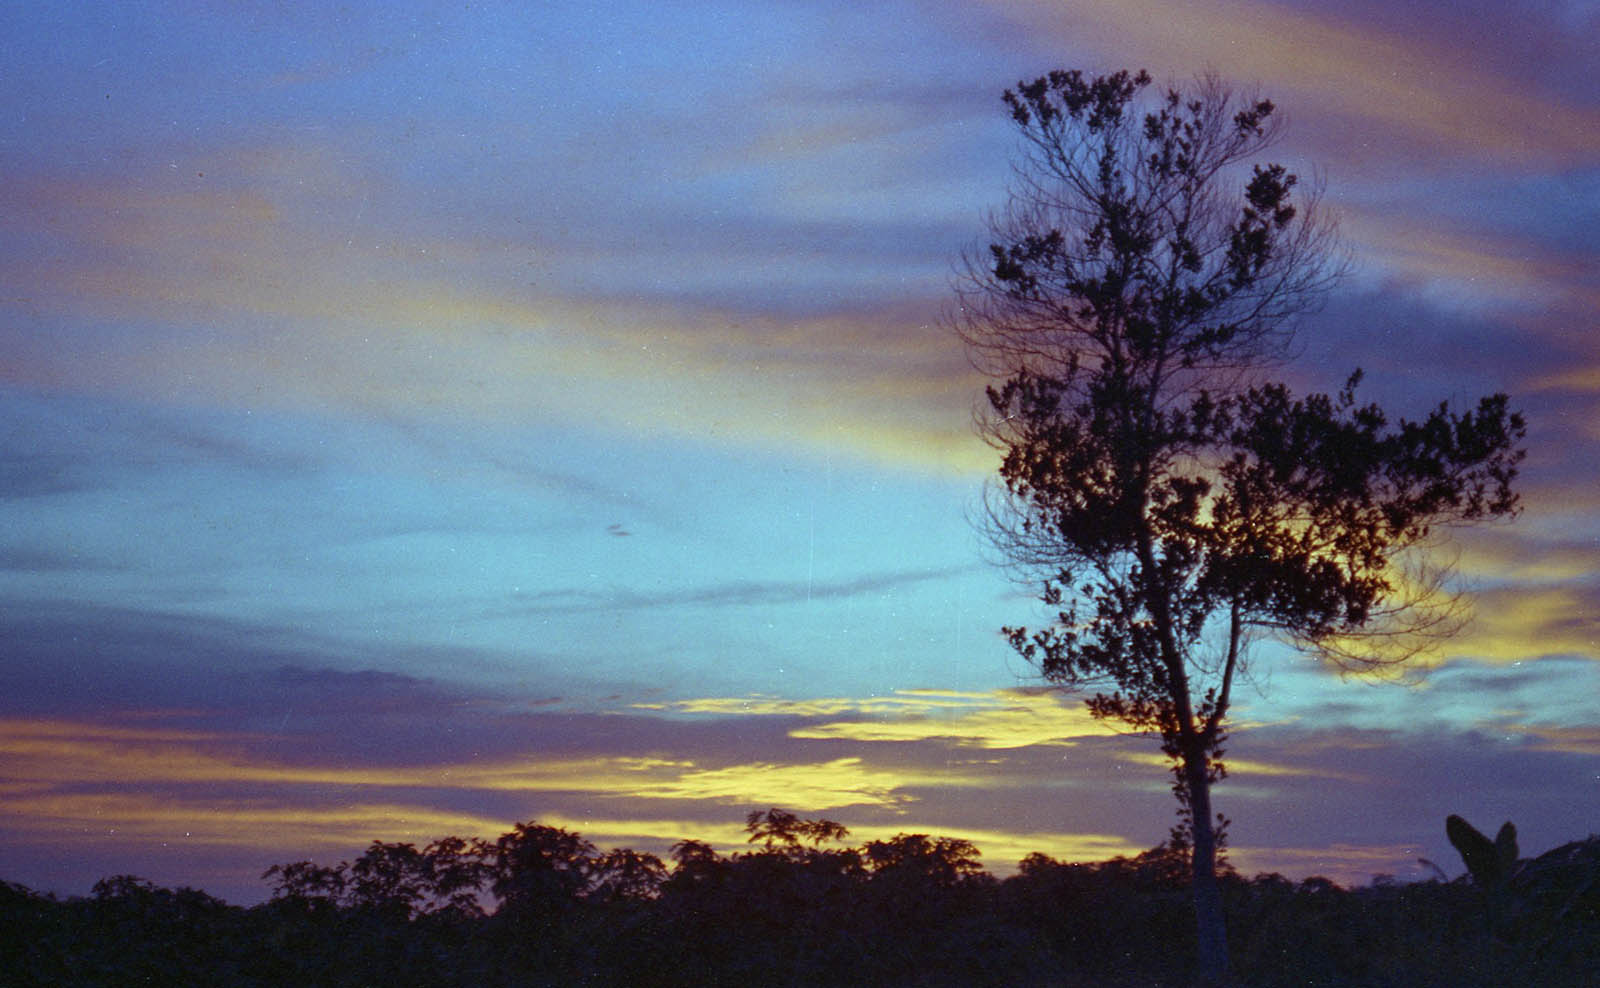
point(1170, 501)
point(393, 878)
point(940, 862)
point(537, 870)
point(784, 834)
point(625, 875)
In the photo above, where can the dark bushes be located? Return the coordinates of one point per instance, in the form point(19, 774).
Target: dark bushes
point(543, 906)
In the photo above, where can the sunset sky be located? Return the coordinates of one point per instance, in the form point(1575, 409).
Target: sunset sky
point(421, 418)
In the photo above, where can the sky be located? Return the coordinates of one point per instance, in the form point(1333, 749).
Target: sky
point(417, 419)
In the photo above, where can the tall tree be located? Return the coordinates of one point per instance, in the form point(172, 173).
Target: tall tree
point(1140, 284)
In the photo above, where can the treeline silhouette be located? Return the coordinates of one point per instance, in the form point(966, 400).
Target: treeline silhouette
point(543, 906)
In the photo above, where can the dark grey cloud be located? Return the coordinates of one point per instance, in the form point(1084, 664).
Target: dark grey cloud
point(1523, 680)
point(227, 441)
point(26, 473)
point(23, 559)
point(307, 698)
point(1553, 691)
point(519, 461)
point(66, 444)
point(744, 594)
point(1413, 354)
point(65, 658)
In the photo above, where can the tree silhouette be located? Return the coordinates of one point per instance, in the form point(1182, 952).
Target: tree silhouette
point(308, 885)
point(910, 910)
point(942, 862)
point(535, 869)
point(1170, 501)
point(623, 874)
point(445, 879)
point(391, 877)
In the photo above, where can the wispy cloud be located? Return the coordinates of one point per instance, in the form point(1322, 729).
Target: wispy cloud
point(1000, 719)
point(1457, 265)
point(1386, 84)
point(724, 595)
point(29, 560)
point(1248, 770)
point(1514, 623)
point(66, 756)
point(319, 409)
point(1571, 740)
point(124, 819)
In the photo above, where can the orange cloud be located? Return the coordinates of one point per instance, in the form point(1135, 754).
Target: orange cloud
point(41, 758)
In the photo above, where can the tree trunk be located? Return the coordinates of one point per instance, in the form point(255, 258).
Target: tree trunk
point(1210, 926)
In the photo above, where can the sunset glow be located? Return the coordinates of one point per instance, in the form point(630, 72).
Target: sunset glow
point(420, 419)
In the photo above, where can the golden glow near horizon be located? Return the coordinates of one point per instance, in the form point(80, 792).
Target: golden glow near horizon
point(56, 753)
point(138, 781)
point(47, 802)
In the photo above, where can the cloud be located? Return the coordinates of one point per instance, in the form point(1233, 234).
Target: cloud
point(1570, 740)
point(739, 294)
point(1519, 622)
point(454, 337)
point(747, 594)
point(984, 766)
point(66, 756)
point(37, 473)
point(142, 782)
point(1001, 719)
point(1510, 271)
point(1555, 697)
point(72, 660)
point(27, 560)
point(1246, 771)
point(1387, 85)
point(829, 785)
point(124, 819)
point(1516, 554)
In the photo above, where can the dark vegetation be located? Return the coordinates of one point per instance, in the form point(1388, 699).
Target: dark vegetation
point(543, 906)
point(1169, 500)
